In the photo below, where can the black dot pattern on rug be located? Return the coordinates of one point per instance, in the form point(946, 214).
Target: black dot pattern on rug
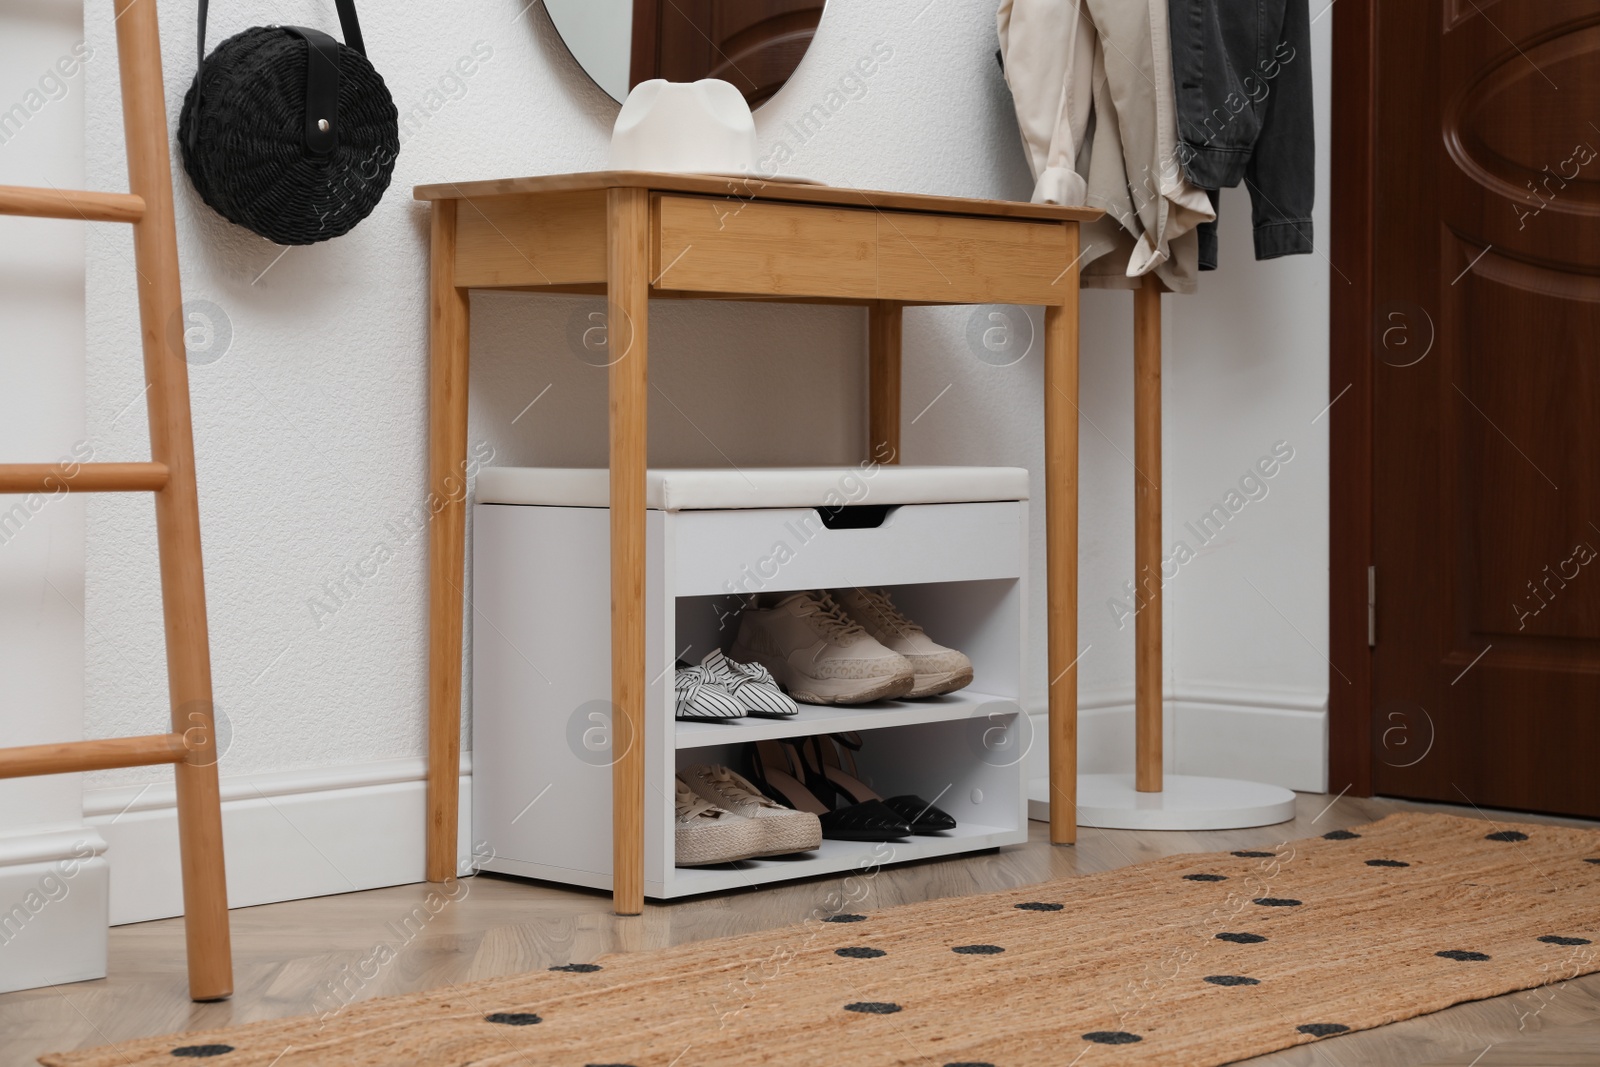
point(1387, 863)
point(1506, 835)
point(845, 917)
point(873, 1007)
point(577, 968)
point(1322, 1029)
point(1555, 939)
point(1231, 979)
point(1111, 1037)
point(1255, 855)
point(1205, 878)
point(200, 1051)
point(1339, 835)
point(1462, 954)
point(1039, 905)
point(859, 952)
point(965, 1063)
point(1241, 939)
point(978, 950)
point(608, 1065)
point(512, 1018)
point(1277, 902)
point(1591, 859)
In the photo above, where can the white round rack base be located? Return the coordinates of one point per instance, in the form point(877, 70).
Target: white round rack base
point(1186, 802)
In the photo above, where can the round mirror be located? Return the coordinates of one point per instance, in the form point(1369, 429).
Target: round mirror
point(755, 44)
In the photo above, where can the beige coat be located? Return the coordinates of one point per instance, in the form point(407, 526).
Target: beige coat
point(1092, 83)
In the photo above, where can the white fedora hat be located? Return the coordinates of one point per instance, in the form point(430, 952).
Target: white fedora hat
point(702, 127)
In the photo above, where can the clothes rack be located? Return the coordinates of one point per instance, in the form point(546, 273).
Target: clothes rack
point(1151, 799)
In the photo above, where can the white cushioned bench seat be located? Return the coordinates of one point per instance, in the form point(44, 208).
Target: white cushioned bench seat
point(756, 487)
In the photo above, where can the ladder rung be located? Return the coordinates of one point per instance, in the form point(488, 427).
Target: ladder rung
point(72, 756)
point(89, 478)
point(70, 204)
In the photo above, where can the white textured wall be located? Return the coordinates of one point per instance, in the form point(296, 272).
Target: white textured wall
point(41, 409)
point(53, 883)
point(311, 425)
point(1247, 368)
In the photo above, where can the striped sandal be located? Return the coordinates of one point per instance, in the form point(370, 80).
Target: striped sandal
point(752, 685)
point(701, 696)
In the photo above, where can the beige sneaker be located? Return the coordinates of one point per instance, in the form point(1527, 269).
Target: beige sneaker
point(707, 834)
point(818, 654)
point(938, 669)
point(785, 829)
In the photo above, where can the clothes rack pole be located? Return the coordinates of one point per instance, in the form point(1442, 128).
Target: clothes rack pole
point(1147, 535)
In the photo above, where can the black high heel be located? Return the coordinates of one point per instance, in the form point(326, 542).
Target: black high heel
point(923, 817)
point(774, 773)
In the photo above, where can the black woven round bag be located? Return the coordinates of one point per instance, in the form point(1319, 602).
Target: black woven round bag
point(289, 133)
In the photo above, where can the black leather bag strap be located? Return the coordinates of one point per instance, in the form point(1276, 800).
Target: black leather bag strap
point(321, 134)
point(322, 76)
point(348, 24)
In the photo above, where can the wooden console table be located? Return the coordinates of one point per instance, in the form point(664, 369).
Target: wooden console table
point(633, 237)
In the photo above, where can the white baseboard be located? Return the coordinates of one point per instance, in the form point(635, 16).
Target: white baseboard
point(1258, 735)
point(287, 835)
point(53, 894)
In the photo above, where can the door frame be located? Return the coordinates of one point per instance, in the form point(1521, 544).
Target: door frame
point(1351, 330)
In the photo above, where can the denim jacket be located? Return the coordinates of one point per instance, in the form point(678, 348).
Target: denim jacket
point(1242, 74)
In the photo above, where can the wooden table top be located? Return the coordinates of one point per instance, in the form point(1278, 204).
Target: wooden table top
point(753, 189)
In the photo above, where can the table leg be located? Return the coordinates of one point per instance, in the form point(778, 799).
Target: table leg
point(1061, 546)
point(447, 535)
point(884, 318)
point(627, 311)
point(1147, 534)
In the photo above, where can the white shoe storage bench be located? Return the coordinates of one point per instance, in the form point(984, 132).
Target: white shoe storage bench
point(950, 542)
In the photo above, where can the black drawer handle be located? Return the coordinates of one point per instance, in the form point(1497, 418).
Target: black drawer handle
point(856, 516)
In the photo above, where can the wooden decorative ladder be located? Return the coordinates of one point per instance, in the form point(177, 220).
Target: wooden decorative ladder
point(191, 746)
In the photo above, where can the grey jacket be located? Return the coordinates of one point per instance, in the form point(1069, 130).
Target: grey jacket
point(1243, 80)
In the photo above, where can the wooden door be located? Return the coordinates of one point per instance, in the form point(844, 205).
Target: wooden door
point(1486, 403)
point(755, 44)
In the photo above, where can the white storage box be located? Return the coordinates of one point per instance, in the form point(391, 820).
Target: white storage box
point(950, 542)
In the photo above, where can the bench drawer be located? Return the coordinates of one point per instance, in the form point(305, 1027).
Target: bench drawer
point(775, 549)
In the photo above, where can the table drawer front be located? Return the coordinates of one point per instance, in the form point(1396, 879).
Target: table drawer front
point(505, 241)
point(709, 244)
point(961, 260)
point(706, 244)
point(770, 550)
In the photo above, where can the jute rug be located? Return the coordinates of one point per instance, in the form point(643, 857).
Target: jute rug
point(1193, 960)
